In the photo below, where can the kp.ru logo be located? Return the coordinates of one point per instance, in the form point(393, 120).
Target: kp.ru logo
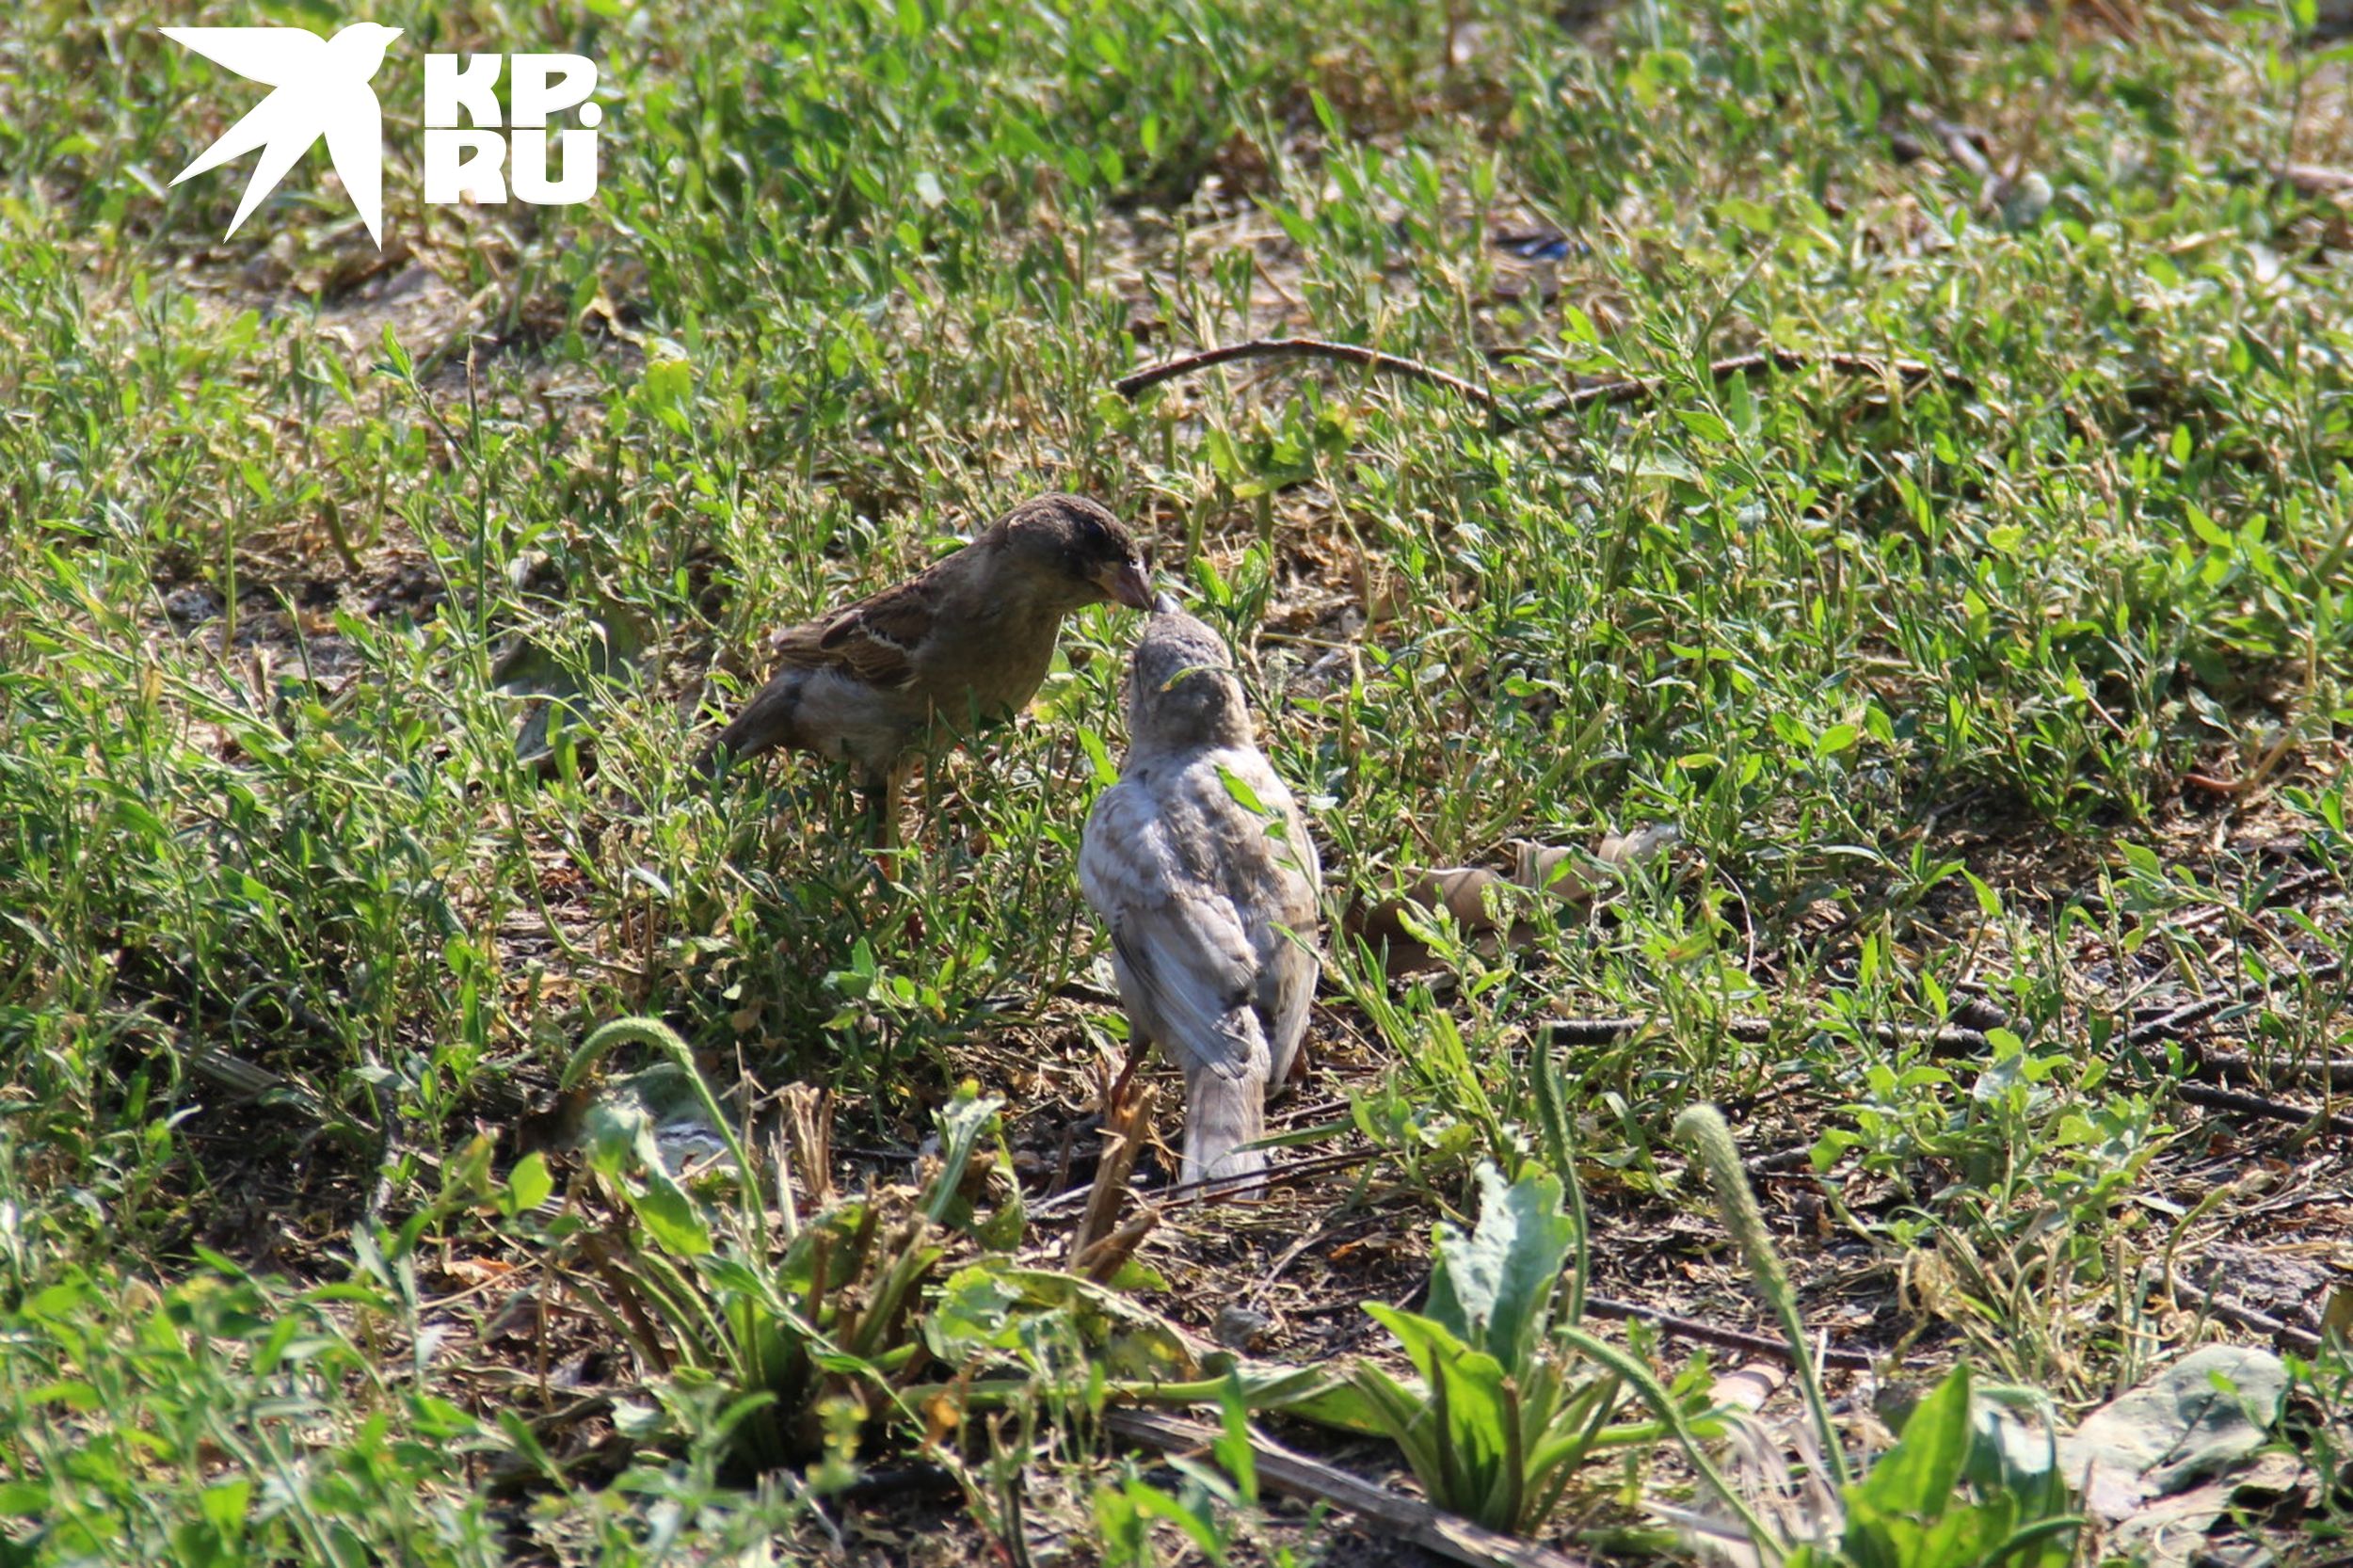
point(322, 91)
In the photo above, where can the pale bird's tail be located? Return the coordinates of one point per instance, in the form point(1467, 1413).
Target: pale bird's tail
point(1222, 1114)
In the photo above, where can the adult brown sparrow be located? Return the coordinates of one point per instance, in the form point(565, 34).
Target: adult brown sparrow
point(1201, 865)
point(962, 644)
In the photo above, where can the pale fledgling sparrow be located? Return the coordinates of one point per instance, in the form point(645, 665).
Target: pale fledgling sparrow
point(1200, 864)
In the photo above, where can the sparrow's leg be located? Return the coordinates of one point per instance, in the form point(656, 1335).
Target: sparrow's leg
point(881, 814)
point(884, 793)
point(1139, 1046)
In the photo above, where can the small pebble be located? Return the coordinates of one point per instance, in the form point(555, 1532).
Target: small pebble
point(1243, 1328)
point(191, 605)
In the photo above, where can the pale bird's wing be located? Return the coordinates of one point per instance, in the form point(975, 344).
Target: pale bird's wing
point(274, 56)
point(1276, 878)
point(1287, 983)
point(1287, 989)
point(1181, 944)
point(355, 140)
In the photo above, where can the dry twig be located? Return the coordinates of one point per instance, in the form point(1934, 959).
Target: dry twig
point(1711, 1333)
point(2337, 1072)
point(1430, 1529)
point(2256, 1105)
point(1603, 1032)
point(2239, 1314)
point(1127, 1120)
point(1500, 412)
point(2314, 179)
point(1218, 1187)
point(1133, 386)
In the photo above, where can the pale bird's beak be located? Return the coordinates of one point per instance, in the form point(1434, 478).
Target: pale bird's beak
point(1128, 584)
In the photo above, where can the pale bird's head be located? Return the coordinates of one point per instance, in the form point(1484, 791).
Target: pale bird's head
point(1181, 686)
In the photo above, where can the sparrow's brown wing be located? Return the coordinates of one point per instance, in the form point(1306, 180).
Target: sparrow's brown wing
point(872, 640)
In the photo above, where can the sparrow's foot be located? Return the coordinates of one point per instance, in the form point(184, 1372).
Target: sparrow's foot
point(1139, 1046)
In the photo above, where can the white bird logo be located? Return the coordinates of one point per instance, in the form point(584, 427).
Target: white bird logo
point(322, 91)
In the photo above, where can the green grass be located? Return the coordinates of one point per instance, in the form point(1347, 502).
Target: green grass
point(295, 946)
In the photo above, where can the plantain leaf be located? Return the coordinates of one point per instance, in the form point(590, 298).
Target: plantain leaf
point(1493, 1290)
point(1473, 1412)
point(1919, 1474)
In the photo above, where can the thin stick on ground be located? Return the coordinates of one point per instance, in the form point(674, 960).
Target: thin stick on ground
point(1430, 1529)
point(2175, 1023)
point(1212, 1189)
point(2267, 1110)
point(2302, 1340)
point(2336, 1072)
point(1127, 1120)
point(1497, 401)
point(1712, 1333)
point(1134, 385)
point(1750, 1031)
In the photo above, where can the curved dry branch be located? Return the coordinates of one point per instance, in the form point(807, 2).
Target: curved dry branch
point(1303, 348)
point(1501, 412)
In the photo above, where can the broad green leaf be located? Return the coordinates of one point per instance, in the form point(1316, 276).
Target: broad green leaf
point(1152, 1503)
point(1232, 1447)
point(1918, 1475)
point(528, 1185)
point(974, 1312)
point(669, 1213)
point(1493, 1290)
point(224, 1504)
point(962, 1122)
point(1099, 762)
point(1239, 789)
point(397, 357)
point(1468, 1418)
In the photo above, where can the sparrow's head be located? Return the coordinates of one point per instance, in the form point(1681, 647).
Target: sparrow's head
point(1084, 552)
point(1181, 686)
point(363, 44)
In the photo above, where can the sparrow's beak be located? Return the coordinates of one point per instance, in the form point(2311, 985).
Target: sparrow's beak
point(1126, 583)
